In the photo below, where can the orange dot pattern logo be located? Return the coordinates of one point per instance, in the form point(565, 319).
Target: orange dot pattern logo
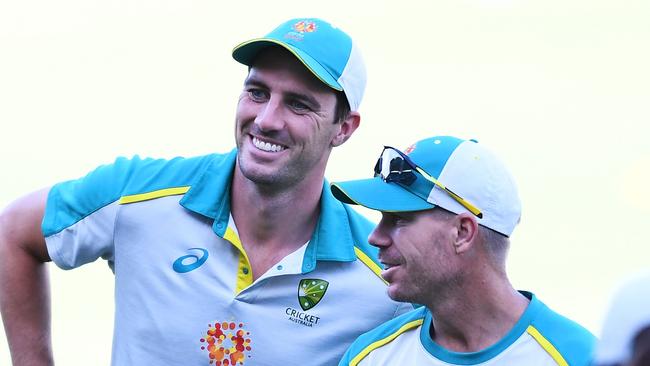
point(226, 343)
point(305, 26)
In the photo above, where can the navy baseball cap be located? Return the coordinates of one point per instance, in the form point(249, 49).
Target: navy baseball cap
point(327, 51)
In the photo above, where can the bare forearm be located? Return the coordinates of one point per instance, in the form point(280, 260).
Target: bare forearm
point(25, 306)
point(24, 283)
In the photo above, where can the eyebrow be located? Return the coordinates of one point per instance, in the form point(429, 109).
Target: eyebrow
point(252, 81)
point(306, 98)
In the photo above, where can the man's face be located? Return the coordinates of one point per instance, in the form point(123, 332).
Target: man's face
point(417, 250)
point(285, 121)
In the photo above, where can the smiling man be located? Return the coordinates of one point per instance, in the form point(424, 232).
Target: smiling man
point(448, 209)
point(249, 260)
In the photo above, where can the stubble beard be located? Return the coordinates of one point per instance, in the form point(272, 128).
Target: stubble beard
point(422, 290)
point(280, 179)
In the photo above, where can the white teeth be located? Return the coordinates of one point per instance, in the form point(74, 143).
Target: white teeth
point(266, 146)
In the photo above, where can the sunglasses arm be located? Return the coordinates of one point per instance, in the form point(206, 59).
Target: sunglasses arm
point(475, 211)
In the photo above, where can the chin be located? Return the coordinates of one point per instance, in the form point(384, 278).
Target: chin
point(395, 294)
point(401, 295)
point(259, 176)
point(253, 171)
point(263, 175)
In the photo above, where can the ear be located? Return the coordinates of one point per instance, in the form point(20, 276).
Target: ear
point(346, 128)
point(467, 232)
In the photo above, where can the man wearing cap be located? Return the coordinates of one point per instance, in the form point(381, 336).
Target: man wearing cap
point(242, 258)
point(448, 209)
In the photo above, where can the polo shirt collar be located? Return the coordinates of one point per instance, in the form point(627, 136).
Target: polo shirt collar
point(210, 196)
point(484, 355)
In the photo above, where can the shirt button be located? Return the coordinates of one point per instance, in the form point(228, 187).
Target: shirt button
point(245, 270)
point(279, 267)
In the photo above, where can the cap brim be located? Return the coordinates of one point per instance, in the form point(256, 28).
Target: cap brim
point(376, 194)
point(246, 52)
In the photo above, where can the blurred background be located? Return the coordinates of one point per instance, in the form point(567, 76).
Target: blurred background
point(559, 89)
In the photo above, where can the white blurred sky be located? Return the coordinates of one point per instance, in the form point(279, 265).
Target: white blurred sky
point(560, 89)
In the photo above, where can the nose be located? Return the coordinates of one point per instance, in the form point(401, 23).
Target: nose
point(269, 117)
point(378, 237)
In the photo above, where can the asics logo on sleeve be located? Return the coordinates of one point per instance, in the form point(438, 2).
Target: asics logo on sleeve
point(190, 262)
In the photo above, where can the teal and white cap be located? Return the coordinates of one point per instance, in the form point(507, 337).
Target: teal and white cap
point(327, 51)
point(455, 174)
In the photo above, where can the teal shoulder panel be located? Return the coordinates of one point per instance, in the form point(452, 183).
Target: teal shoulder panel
point(71, 201)
point(574, 342)
point(383, 333)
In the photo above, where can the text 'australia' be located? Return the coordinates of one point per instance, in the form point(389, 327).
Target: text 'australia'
point(301, 317)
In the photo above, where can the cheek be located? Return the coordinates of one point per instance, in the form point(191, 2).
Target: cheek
point(241, 109)
point(245, 108)
point(303, 128)
point(423, 250)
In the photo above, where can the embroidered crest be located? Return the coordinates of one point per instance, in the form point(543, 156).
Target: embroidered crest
point(310, 292)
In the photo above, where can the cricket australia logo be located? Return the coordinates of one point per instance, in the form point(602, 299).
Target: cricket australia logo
point(310, 293)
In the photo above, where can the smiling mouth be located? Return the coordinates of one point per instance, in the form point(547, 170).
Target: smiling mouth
point(389, 266)
point(267, 146)
point(388, 273)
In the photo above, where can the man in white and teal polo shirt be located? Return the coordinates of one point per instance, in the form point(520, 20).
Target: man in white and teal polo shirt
point(242, 258)
point(448, 208)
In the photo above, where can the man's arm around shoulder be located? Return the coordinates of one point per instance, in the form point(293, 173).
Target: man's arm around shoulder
point(24, 283)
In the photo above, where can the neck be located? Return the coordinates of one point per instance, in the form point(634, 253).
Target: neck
point(273, 222)
point(476, 314)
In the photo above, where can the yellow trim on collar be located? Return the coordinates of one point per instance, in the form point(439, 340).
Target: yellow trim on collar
point(547, 346)
point(244, 270)
point(153, 195)
point(369, 263)
point(373, 346)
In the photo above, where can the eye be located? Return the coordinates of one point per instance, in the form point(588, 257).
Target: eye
point(299, 106)
point(394, 220)
point(257, 95)
point(392, 217)
point(403, 218)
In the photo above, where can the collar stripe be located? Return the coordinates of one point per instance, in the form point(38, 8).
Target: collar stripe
point(153, 195)
point(244, 270)
point(363, 257)
point(547, 346)
point(408, 326)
